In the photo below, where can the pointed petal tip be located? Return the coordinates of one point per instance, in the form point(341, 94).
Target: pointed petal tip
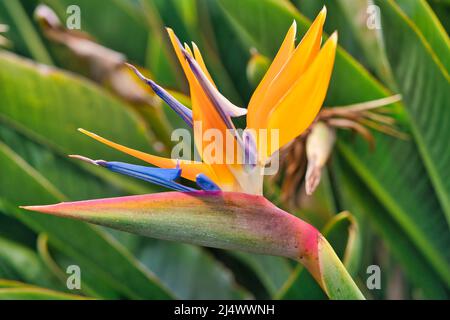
point(42, 209)
point(94, 136)
point(294, 26)
point(137, 72)
point(87, 160)
point(86, 132)
point(321, 16)
point(173, 37)
point(129, 65)
point(334, 36)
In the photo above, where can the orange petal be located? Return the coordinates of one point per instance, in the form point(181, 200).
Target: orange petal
point(283, 55)
point(204, 112)
point(189, 169)
point(299, 61)
point(299, 107)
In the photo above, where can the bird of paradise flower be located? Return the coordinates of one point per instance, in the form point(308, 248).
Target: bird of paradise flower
point(229, 210)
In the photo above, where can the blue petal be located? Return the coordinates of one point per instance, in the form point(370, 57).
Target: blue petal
point(159, 176)
point(184, 112)
point(206, 183)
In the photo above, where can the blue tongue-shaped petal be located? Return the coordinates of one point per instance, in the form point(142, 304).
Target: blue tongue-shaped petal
point(184, 112)
point(206, 183)
point(159, 176)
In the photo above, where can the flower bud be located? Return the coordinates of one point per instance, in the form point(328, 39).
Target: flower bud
point(256, 68)
point(319, 145)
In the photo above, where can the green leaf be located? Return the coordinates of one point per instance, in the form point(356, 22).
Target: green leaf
point(429, 25)
point(396, 176)
point(26, 31)
point(7, 283)
point(160, 57)
point(424, 82)
point(31, 93)
point(113, 29)
point(442, 10)
point(33, 293)
point(273, 272)
point(355, 196)
point(21, 263)
point(337, 282)
point(73, 103)
point(71, 179)
point(189, 271)
point(15, 290)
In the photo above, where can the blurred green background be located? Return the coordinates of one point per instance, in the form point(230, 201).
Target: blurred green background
point(53, 81)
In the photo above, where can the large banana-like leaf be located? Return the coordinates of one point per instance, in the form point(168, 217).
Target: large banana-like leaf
point(272, 272)
point(424, 19)
point(147, 46)
point(49, 105)
point(20, 263)
point(423, 79)
point(363, 43)
point(25, 37)
point(127, 21)
point(356, 197)
point(189, 271)
point(441, 8)
point(14, 290)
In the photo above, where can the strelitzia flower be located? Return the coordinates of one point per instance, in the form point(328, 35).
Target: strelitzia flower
point(226, 209)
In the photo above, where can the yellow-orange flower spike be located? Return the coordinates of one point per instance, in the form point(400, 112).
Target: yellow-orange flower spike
point(300, 105)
